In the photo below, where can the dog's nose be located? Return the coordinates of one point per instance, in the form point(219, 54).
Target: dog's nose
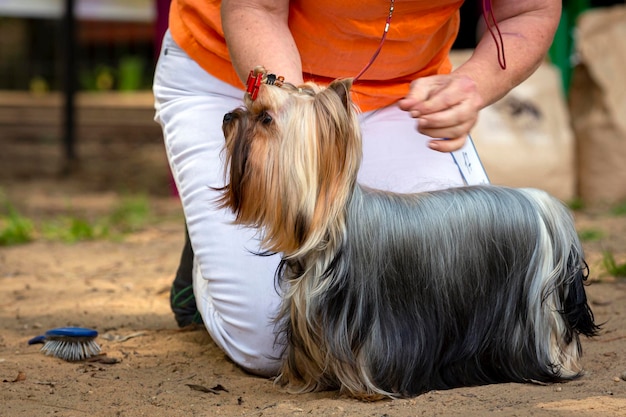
point(228, 117)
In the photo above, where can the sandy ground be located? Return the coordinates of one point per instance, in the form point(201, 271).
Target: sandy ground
point(150, 367)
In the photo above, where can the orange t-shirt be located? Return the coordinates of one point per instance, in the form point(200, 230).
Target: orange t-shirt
point(336, 39)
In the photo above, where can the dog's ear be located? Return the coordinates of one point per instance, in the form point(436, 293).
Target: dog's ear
point(342, 89)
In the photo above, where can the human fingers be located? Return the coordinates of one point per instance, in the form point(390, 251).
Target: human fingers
point(453, 90)
point(450, 123)
point(447, 145)
point(419, 91)
point(440, 92)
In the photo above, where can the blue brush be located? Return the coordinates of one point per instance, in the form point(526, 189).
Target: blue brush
point(68, 343)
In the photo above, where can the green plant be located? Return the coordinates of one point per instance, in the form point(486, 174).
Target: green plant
point(102, 78)
point(130, 70)
point(576, 204)
point(131, 214)
point(74, 229)
point(619, 209)
point(15, 229)
point(613, 268)
point(590, 235)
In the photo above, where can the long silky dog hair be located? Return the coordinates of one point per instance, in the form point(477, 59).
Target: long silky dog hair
point(390, 294)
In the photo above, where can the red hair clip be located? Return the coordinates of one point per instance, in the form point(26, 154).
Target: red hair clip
point(253, 83)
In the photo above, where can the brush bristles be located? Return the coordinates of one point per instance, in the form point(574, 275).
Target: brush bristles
point(71, 349)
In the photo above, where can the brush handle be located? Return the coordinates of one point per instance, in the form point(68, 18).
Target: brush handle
point(68, 332)
point(71, 332)
point(37, 339)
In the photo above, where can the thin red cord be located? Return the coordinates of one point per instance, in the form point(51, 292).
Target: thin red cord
point(497, 36)
point(487, 15)
point(380, 45)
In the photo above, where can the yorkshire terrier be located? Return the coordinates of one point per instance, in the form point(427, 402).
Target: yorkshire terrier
point(390, 294)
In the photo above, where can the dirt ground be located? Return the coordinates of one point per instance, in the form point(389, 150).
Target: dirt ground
point(151, 368)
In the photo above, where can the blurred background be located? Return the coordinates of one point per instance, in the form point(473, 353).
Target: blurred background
point(76, 104)
point(75, 93)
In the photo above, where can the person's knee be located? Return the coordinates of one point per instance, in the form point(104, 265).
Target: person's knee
point(239, 314)
point(259, 364)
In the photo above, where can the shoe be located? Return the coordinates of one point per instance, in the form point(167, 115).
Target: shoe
point(182, 299)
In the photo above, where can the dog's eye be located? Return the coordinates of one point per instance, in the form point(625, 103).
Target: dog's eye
point(265, 118)
point(228, 117)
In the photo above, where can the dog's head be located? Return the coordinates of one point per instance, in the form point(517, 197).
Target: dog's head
point(292, 155)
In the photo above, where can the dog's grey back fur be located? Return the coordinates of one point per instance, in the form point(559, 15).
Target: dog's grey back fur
point(451, 288)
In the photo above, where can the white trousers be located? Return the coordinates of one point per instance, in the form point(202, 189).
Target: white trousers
point(234, 288)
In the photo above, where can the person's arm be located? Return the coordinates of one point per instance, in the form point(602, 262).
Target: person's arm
point(447, 106)
point(257, 33)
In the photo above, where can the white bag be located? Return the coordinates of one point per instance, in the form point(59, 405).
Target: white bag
point(525, 139)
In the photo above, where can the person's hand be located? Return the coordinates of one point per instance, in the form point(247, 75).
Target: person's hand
point(445, 106)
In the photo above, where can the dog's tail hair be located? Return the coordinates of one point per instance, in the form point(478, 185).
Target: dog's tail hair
point(576, 309)
point(562, 294)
